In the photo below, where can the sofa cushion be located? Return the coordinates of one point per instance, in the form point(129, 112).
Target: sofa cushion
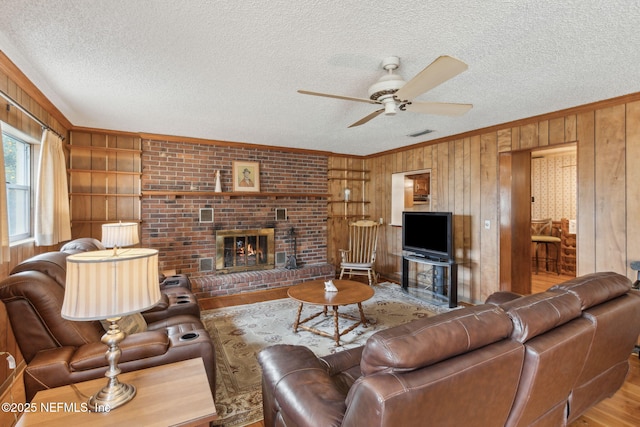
point(596, 288)
point(536, 314)
point(426, 341)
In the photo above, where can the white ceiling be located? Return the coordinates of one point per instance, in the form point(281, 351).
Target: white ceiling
point(229, 70)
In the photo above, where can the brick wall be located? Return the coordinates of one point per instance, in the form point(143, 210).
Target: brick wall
point(170, 222)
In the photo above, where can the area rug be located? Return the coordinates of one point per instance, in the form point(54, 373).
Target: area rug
point(240, 332)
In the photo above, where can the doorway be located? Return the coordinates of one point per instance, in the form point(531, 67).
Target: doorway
point(554, 195)
point(517, 184)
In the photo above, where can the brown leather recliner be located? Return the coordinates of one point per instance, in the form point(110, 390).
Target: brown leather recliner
point(175, 300)
point(60, 352)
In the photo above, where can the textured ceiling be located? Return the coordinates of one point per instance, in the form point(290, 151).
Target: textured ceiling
point(229, 70)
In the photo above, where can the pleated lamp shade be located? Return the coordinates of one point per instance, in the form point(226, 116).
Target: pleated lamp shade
point(101, 285)
point(120, 234)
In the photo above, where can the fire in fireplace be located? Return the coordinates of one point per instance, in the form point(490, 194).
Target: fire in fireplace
point(244, 250)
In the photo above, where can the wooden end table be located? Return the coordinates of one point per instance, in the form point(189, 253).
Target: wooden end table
point(312, 292)
point(176, 394)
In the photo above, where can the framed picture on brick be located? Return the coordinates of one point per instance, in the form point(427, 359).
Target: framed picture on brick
point(246, 176)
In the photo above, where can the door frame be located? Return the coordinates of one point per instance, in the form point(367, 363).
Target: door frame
point(515, 221)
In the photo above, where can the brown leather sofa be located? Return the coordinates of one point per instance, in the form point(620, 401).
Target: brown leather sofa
point(535, 360)
point(60, 352)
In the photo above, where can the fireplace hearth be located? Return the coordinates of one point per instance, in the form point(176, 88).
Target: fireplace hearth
point(245, 250)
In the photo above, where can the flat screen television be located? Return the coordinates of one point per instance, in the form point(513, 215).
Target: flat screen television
point(428, 234)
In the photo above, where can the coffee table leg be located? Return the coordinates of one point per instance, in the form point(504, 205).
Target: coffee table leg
point(297, 322)
point(362, 318)
point(335, 322)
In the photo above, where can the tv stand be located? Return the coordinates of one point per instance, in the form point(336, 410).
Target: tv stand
point(450, 293)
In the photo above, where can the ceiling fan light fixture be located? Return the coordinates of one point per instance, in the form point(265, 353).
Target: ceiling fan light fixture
point(389, 106)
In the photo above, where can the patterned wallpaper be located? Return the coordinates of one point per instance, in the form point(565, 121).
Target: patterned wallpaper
point(553, 186)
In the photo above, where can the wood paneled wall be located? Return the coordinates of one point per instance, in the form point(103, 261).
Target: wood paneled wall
point(20, 89)
point(466, 180)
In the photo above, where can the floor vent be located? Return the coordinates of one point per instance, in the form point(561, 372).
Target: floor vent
point(281, 258)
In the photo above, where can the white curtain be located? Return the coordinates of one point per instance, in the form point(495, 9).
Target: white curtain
point(53, 224)
point(4, 216)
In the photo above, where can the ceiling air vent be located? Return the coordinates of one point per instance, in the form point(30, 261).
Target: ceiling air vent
point(422, 132)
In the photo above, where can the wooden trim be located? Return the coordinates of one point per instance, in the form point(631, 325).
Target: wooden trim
point(104, 131)
point(204, 141)
point(517, 123)
point(13, 72)
point(189, 140)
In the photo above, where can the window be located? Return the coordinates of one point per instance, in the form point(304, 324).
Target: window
point(18, 155)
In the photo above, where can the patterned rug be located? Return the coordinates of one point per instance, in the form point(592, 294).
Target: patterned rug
point(241, 332)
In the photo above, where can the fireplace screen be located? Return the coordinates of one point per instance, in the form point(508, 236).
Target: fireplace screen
point(242, 250)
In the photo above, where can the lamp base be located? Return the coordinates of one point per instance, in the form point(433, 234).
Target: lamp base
point(115, 393)
point(111, 397)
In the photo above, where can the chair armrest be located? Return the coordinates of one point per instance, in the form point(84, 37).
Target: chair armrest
point(65, 365)
point(295, 382)
point(134, 347)
point(163, 304)
point(341, 361)
point(344, 254)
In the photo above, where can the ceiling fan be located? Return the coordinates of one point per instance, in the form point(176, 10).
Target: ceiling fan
point(392, 92)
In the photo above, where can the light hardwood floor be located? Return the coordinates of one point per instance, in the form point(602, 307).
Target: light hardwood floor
point(621, 410)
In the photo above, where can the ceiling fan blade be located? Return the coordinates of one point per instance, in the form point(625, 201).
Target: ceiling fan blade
point(439, 71)
point(367, 118)
point(439, 108)
point(346, 98)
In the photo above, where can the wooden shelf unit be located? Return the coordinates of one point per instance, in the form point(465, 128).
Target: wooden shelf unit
point(355, 180)
point(154, 193)
point(105, 175)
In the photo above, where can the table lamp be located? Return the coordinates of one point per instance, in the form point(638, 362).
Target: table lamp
point(106, 285)
point(119, 235)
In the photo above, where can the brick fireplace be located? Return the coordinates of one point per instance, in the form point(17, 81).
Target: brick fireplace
point(289, 182)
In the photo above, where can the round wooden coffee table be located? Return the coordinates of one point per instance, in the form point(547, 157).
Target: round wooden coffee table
point(312, 292)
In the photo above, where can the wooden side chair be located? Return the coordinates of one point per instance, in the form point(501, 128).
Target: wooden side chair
point(542, 234)
point(360, 258)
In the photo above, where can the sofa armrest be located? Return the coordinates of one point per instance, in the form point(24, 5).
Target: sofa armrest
point(297, 388)
point(501, 297)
